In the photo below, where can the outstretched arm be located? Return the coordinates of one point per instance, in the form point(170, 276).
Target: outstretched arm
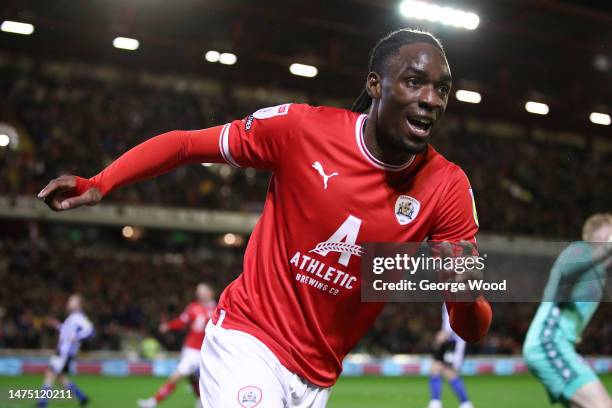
point(177, 323)
point(470, 314)
point(258, 141)
point(151, 158)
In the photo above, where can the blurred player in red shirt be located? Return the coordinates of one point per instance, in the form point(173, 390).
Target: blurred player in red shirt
point(194, 317)
point(341, 178)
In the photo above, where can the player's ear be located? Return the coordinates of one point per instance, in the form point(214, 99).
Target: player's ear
point(373, 86)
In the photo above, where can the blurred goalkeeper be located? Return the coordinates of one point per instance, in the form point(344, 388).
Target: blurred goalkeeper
point(341, 178)
point(73, 330)
point(573, 293)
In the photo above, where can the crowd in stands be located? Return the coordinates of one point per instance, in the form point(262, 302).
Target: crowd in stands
point(78, 124)
point(129, 288)
point(127, 293)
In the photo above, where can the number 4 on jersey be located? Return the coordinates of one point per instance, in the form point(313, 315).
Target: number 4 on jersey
point(342, 241)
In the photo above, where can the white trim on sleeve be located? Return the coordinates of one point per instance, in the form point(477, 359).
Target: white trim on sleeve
point(224, 146)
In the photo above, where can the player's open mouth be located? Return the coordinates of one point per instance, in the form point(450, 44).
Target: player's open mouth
point(420, 126)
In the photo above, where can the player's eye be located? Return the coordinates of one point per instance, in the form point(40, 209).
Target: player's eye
point(444, 89)
point(413, 82)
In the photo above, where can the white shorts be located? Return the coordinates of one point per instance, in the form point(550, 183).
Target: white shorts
point(60, 363)
point(190, 362)
point(239, 371)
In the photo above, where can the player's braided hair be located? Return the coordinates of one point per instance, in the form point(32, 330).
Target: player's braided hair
point(386, 47)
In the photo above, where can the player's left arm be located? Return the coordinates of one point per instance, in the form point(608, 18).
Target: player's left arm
point(84, 330)
point(454, 234)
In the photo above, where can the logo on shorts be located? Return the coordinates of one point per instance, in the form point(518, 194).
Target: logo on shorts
point(249, 397)
point(406, 209)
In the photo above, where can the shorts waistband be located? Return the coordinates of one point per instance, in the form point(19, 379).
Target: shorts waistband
point(221, 318)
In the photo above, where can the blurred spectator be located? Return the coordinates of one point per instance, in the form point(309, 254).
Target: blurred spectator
point(150, 348)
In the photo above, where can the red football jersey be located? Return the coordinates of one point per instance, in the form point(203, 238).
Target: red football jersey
point(195, 316)
point(299, 292)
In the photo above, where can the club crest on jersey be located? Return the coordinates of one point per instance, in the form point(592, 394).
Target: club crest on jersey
point(406, 209)
point(249, 397)
point(267, 113)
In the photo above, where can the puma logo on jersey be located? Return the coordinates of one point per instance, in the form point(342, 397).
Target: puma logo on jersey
point(318, 167)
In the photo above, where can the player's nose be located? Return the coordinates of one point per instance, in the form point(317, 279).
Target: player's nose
point(430, 99)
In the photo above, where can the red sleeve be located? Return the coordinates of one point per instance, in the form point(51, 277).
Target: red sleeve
point(455, 218)
point(156, 156)
point(261, 139)
point(257, 141)
point(182, 321)
point(470, 320)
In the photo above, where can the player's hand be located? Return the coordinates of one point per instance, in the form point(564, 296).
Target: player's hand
point(52, 322)
point(62, 194)
point(163, 328)
point(467, 251)
point(466, 273)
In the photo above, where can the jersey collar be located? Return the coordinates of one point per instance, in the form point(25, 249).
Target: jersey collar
point(359, 125)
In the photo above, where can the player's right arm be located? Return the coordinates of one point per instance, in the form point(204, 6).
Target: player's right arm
point(178, 323)
point(454, 235)
point(54, 323)
point(258, 141)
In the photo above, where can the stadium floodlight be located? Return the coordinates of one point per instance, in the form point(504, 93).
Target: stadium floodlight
point(468, 96)
point(304, 70)
point(8, 136)
point(16, 27)
point(125, 43)
point(229, 239)
point(127, 232)
point(212, 56)
point(536, 107)
point(437, 14)
point(600, 118)
point(227, 58)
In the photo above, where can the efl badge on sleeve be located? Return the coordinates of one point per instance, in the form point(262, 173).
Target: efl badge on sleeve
point(474, 208)
point(267, 113)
